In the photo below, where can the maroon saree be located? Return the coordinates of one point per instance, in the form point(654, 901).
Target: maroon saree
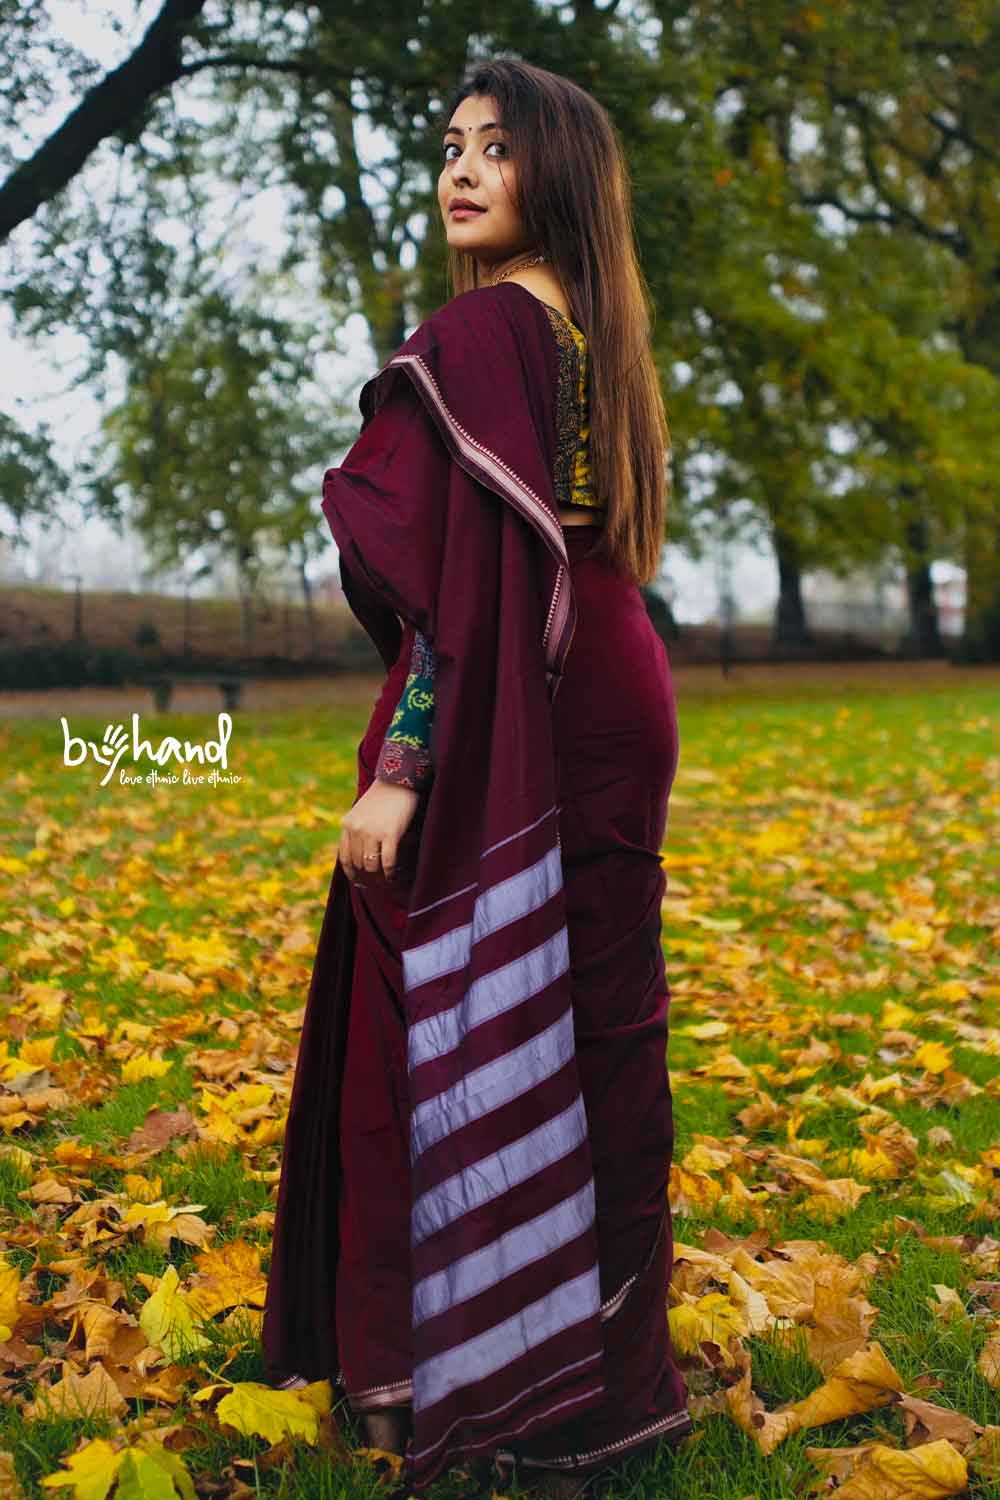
point(512, 1322)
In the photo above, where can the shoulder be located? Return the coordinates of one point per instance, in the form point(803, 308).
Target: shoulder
point(490, 340)
point(486, 311)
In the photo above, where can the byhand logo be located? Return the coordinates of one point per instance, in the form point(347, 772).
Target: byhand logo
point(116, 743)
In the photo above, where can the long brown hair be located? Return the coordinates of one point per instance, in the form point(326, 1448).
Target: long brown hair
point(575, 201)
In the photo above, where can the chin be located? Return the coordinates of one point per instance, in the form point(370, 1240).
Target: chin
point(469, 247)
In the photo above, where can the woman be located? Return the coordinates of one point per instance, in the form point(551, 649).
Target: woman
point(473, 1236)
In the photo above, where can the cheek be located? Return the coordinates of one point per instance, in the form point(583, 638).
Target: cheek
point(505, 190)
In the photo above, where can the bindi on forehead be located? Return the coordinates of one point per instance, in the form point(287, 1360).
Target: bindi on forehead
point(488, 125)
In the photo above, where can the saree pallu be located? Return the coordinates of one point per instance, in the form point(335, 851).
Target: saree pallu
point(616, 745)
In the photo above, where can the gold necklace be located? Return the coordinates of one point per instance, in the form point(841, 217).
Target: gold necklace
point(517, 266)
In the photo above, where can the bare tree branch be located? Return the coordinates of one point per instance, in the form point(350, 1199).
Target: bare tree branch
point(106, 108)
point(965, 137)
point(900, 210)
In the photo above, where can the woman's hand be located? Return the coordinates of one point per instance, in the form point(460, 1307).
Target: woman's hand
point(371, 831)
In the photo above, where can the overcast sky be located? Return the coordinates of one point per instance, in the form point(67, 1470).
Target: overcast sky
point(36, 386)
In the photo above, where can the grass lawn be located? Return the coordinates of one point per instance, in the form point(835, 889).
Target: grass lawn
point(830, 930)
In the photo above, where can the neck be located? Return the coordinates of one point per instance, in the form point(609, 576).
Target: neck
point(488, 272)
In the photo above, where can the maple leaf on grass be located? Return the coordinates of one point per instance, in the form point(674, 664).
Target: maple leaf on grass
point(146, 1471)
point(264, 1411)
point(170, 1322)
point(76, 1395)
point(710, 1319)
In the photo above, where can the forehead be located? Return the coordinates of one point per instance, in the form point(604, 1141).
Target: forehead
point(475, 111)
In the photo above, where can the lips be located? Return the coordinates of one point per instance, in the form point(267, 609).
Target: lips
point(462, 205)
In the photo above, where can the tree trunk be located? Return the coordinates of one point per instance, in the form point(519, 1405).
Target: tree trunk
point(924, 635)
point(790, 625)
point(246, 618)
point(245, 586)
point(981, 637)
point(307, 599)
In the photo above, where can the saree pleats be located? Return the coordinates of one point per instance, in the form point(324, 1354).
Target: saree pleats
point(616, 746)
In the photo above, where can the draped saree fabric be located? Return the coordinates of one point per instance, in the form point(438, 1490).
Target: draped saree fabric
point(506, 1332)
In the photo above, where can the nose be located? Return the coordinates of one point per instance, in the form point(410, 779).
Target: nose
point(460, 170)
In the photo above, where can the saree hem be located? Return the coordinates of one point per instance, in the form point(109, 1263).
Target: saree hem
point(400, 1392)
point(427, 1465)
point(374, 1397)
point(678, 1424)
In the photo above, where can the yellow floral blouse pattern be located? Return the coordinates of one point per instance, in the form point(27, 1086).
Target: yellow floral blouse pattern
point(572, 461)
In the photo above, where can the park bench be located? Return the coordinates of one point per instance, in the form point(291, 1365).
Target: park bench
point(162, 685)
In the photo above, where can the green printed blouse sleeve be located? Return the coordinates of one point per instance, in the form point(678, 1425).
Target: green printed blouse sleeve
point(405, 757)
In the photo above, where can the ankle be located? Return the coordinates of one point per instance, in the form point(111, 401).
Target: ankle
point(564, 1486)
point(387, 1429)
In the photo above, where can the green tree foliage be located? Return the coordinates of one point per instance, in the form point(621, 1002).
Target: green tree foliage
point(31, 479)
point(214, 446)
point(822, 373)
point(878, 127)
point(815, 202)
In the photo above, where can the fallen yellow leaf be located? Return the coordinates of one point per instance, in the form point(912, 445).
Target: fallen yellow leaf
point(931, 1471)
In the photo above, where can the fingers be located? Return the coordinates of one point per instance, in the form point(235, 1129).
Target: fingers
point(389, 852)
point(362, 854)
point(371, 831)
point(352, 853)
point(344, 854)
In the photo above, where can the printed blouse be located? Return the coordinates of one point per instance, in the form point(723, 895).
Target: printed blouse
point(405, 757)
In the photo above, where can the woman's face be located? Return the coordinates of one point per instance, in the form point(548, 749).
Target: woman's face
point(477, 166)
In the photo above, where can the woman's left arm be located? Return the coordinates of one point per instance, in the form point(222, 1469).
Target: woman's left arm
point(405, 756)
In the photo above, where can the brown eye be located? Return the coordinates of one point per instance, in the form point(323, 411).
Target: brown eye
point(449, 145)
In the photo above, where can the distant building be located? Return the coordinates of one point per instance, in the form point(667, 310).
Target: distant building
point(874, 600)
point(949, 597)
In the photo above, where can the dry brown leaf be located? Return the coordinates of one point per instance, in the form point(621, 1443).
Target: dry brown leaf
point(988, 1363)
point(983, 1455)
point(160, 1127)
point(767, 1429)
point(926, 1422)
point(168, 982)
point(77, 1395)
point(10, 1485)
point(838, 1463)
point(100, 1324)
point(840, 1325)
point(48, 1190)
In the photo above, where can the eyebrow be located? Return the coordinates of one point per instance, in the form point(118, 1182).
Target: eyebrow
point(489, 125)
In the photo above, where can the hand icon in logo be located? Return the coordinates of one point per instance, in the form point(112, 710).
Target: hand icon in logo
point(113, 747)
